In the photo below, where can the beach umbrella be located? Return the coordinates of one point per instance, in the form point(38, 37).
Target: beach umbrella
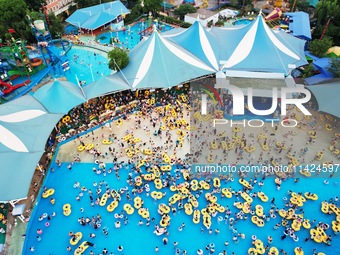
point(106, 85)
point(326, 95)
point(59, 96)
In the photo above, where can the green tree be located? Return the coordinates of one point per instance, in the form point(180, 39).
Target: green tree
point(319, 47)
point(184, 9)
point(334, 67)
point(308, 70)
point(135, 12)
point(328, 9)
point(153, 6)
point(56, 26)
point(34, 5)
point(119, 57)
point(233, 3)
point(300, 5)
point(12, 15)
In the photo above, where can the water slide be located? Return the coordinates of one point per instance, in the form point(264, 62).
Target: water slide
point(10, 88)
point(58, 53)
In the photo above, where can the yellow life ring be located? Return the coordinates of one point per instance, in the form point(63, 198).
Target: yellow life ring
point(106, 142)
point(47, 193)
point(81, 148)
point(119, 122)
point(67, 209)
point(77, 236)
point(66, 119)
point(89, 146)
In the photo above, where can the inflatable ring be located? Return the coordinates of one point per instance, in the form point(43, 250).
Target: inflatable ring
point(89, 146)
point(66, 119)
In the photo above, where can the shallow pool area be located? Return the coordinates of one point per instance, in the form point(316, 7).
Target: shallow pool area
point(48, 225)
point(87, 64)
point(242, 22)
point(130, 36)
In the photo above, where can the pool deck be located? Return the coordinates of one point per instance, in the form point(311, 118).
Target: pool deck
point(296, 141)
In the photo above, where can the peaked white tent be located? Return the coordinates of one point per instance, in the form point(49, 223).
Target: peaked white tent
point(257, 48)
point(199, 42)
point(158, 63)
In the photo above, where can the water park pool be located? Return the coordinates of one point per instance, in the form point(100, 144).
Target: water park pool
point(70, 29)
point(242, 22)
point(87, 64)
point(134, 238)
point(131, 35)
point(189, 2)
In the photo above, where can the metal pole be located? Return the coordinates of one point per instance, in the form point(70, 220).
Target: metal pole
point(91, 72)
point(79, 85)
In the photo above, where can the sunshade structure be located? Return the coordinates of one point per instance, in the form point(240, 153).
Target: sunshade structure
point(327, 97)
point(25, 126)
point(106, 85)
point(299, 24)
point(158, 63)
point(260, 50)
point(96, 16)
point(199, 42)
point(59, 96)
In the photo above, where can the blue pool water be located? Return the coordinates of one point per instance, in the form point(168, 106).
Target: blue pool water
point(130, 37)
point(80, 65)
point(242, 22)
point(70, 29)
point(141, 240)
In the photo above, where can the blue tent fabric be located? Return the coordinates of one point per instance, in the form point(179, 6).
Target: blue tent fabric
point(25, 126)
point(261, 50)
point(96, 16)
point(299, 25)
point(16, 174)
point(228, 39)
point(158, 63)
point(105, 85)
point(326, 95)
point(199, 42)
point(59, 96)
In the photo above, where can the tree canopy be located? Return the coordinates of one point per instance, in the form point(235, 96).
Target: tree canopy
point(118, 56)
point(184, 9)
point(34, 5)
point(12, 16)
point(328, 9)
point(334, 67)
point(319, 47)
point(153, 6)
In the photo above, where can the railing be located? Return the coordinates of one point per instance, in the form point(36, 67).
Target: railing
point(96, 46)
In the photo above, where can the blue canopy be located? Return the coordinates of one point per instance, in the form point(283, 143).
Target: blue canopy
point(199, 42)
point(327, 97)
point(299, 24)
point(25, 126)
point(158, 63)
point(106, 85)
point(59, 96)
point(262, 50)
point(96, 16)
